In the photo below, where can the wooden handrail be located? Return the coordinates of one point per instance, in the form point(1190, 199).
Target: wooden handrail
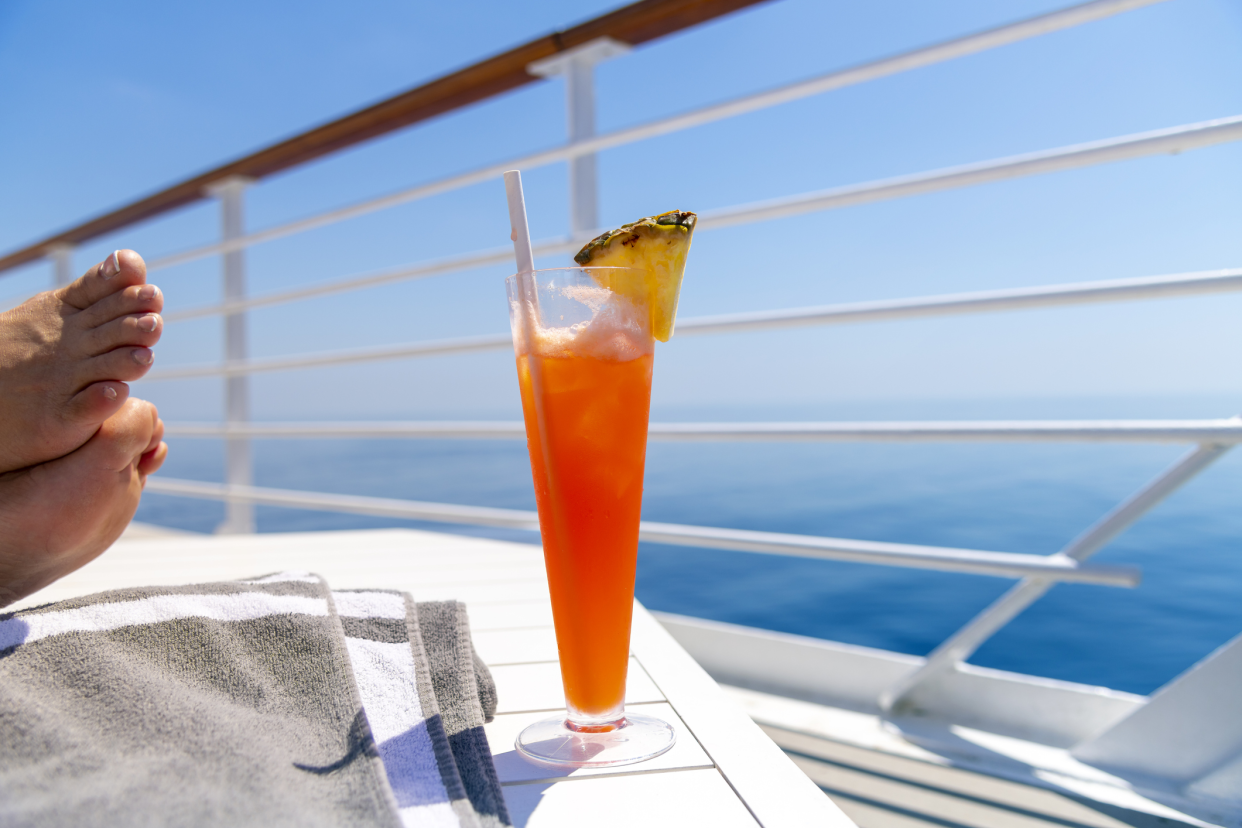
point(634, 24)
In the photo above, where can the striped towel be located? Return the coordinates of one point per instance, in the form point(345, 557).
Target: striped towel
point(267, 702)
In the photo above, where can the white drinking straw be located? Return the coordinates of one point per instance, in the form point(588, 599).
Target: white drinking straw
point(517, 219)
point(520, 234)
point(529, 317)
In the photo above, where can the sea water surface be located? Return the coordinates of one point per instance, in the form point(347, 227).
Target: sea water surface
point(1031, 498)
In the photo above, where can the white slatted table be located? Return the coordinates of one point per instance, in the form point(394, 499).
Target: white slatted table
point(723, 771)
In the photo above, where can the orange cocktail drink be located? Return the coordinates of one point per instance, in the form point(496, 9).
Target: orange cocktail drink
point(584, 344)
point(584, 360)
point(593, 444)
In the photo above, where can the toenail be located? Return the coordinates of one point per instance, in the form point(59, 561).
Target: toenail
point(147, 292)
point(110, 392)
point(144, 356)
point(148, 322)
point(111, 265)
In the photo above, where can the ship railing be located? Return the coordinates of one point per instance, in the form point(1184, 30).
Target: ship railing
point(587, 144)
point(1036, 573)
point(1170, 141)
point(1212, 437)
point(1113, 290)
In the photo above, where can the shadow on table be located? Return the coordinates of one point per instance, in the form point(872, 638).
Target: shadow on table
point(523, 800)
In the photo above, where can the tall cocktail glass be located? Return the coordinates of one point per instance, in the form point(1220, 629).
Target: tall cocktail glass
point(584, 358)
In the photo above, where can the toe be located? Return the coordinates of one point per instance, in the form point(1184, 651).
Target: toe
point(126, 364)
point(157, 450)
point(152, 460)
point(134, 299)
point(126, 436)
point(157, 432)
point(138, 329)
point(96, 402)
point(120, 270)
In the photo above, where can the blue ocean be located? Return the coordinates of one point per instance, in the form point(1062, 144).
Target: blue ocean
point(1031, 498)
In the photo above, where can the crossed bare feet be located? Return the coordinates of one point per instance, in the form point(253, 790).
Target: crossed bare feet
point(74, 450)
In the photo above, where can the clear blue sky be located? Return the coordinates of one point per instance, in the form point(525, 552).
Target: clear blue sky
point(106, 102)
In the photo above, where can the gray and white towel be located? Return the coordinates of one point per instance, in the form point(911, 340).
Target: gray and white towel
point(267, 702)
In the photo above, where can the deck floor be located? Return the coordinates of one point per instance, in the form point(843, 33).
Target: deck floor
point(880, 790)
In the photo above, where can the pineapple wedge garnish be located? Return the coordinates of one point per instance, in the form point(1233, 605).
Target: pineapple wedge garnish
point(656, 244)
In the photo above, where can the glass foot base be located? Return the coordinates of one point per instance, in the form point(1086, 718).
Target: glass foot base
point(636, 739)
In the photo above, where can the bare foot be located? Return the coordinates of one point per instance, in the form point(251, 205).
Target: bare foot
point(57, 516)
point(66, 354)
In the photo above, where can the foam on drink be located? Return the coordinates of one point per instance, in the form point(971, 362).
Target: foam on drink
point(619, 329)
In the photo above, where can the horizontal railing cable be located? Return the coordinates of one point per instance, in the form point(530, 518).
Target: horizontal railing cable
point(988, 301)
point(972, 561)
point(422, 270)
point(483, 430)
point(1220, 431)
point(1157, 142)
point(461, 345)
point(914, 59)
point(1116, 290)
point(1172, 140)
point(944, 559)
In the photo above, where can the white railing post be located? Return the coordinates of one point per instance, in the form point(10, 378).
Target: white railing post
point(578, 67)
point(62, 264)
point(963, 643)
point(238, 462)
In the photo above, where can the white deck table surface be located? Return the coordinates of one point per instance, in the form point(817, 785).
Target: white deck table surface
point(723, 771)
